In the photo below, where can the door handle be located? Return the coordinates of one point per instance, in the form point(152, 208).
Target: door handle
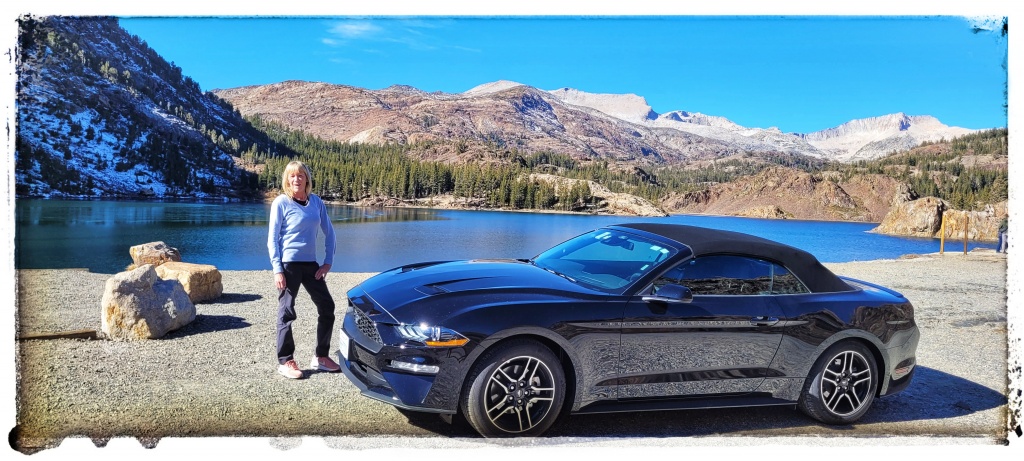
point(764, 321)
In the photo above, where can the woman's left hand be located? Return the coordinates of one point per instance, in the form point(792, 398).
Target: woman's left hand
point(322, 271)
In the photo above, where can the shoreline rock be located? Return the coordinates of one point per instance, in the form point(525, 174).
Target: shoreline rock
point(924, 217)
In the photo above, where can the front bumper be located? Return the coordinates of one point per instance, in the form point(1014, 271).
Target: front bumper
point(366, 359)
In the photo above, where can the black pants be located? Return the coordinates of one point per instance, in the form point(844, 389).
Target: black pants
point(295, 274)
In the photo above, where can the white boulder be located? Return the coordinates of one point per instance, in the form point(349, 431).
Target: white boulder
point(137, 304)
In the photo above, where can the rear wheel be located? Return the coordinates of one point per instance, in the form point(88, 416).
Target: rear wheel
point(842, 384)
point(515, 390)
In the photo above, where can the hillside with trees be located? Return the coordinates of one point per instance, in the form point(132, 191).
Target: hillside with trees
point(968, 172)
point(100, 114)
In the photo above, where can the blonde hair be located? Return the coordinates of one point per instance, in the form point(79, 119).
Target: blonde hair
point(292, 167)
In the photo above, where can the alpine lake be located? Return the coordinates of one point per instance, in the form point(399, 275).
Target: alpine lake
point(97, 234)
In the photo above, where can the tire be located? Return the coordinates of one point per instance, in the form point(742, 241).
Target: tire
point(517, 389)
point(842, 384)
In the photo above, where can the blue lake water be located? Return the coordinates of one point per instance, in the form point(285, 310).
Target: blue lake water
point(56, 234)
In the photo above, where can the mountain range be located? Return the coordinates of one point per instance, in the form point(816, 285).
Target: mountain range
point(619, 127)
point(100, 114)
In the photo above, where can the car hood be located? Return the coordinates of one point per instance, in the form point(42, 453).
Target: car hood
point(435, 290)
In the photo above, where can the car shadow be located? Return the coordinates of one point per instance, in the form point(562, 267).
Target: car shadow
point(205, 323)
point(933, 394)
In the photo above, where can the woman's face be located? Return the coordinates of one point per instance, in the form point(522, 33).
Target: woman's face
point(297, 183)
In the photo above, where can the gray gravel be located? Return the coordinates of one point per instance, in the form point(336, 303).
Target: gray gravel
point(217, 378)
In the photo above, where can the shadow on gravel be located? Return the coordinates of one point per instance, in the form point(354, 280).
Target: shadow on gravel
point(935, 394)
point(932, 395)
point(233, 298)
point(205, 323)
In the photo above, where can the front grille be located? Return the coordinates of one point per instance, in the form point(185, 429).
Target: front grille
point(366, 326)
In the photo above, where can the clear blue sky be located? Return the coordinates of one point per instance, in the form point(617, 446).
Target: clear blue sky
point(797, 73)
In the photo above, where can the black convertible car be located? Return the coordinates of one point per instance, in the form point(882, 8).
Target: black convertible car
point(629, 317)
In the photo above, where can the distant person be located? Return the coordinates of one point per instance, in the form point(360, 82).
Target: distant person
point(296, 217)
point(1004, 229)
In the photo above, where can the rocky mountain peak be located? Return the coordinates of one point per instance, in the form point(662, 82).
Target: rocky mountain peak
point(698, 118)
point(493, 87)
point(870, 138)
point(404, 89)
point(628, 107)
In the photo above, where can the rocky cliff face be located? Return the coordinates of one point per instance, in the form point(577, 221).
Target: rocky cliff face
point(924, 218)
point(781, 193)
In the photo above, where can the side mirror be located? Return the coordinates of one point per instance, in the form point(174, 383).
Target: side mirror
point(670, 293)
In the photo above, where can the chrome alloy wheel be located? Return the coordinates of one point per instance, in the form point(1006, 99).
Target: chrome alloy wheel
point(846, 383)
point(519, 394)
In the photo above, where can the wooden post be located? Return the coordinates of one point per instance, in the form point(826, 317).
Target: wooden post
point(74, 334)
point(942, 235)
point(967, 222)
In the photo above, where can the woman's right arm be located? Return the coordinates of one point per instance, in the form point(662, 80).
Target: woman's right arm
point(274, 242)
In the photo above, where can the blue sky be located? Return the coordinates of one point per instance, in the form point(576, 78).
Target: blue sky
point(797, 73)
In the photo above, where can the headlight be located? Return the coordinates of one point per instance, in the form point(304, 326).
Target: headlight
point(432, 336)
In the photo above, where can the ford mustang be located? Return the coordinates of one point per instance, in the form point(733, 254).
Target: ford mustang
point(630, 317)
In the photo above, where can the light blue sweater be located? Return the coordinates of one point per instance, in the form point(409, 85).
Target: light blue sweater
point(293, 231)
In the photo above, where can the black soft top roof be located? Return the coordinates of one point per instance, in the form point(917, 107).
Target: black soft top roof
point(703, 241)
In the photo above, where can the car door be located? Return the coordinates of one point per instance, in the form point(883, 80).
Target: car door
point(720, 343)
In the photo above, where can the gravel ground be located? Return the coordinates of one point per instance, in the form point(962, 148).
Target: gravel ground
point(216, 377)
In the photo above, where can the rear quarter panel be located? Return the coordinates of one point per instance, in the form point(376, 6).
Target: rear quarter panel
point(879, 317)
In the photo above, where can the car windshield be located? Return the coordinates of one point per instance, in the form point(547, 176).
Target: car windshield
point(606, 260)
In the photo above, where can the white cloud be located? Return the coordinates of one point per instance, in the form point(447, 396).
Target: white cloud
point(408, 32)
point(354, 29)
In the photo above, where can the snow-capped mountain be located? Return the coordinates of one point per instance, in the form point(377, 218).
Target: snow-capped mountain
point(862, 139)
point(101, 114)
point(874, 137)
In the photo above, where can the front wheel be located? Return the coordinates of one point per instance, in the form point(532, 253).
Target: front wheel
point(842, 384)
point(516, 389)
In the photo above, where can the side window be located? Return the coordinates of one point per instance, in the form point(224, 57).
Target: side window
point(727, 275)
point(732, 275)
point(785, 283)
point(672, 276)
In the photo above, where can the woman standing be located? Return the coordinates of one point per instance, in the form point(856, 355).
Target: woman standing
point(296, 217)
point(1003, 235)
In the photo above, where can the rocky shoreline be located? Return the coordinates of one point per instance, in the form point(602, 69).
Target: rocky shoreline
point(216, 376)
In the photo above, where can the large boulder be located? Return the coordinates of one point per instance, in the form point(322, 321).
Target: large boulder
point(916, 218)
point(202, 282)
point(155, 253)
point(137, 304)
